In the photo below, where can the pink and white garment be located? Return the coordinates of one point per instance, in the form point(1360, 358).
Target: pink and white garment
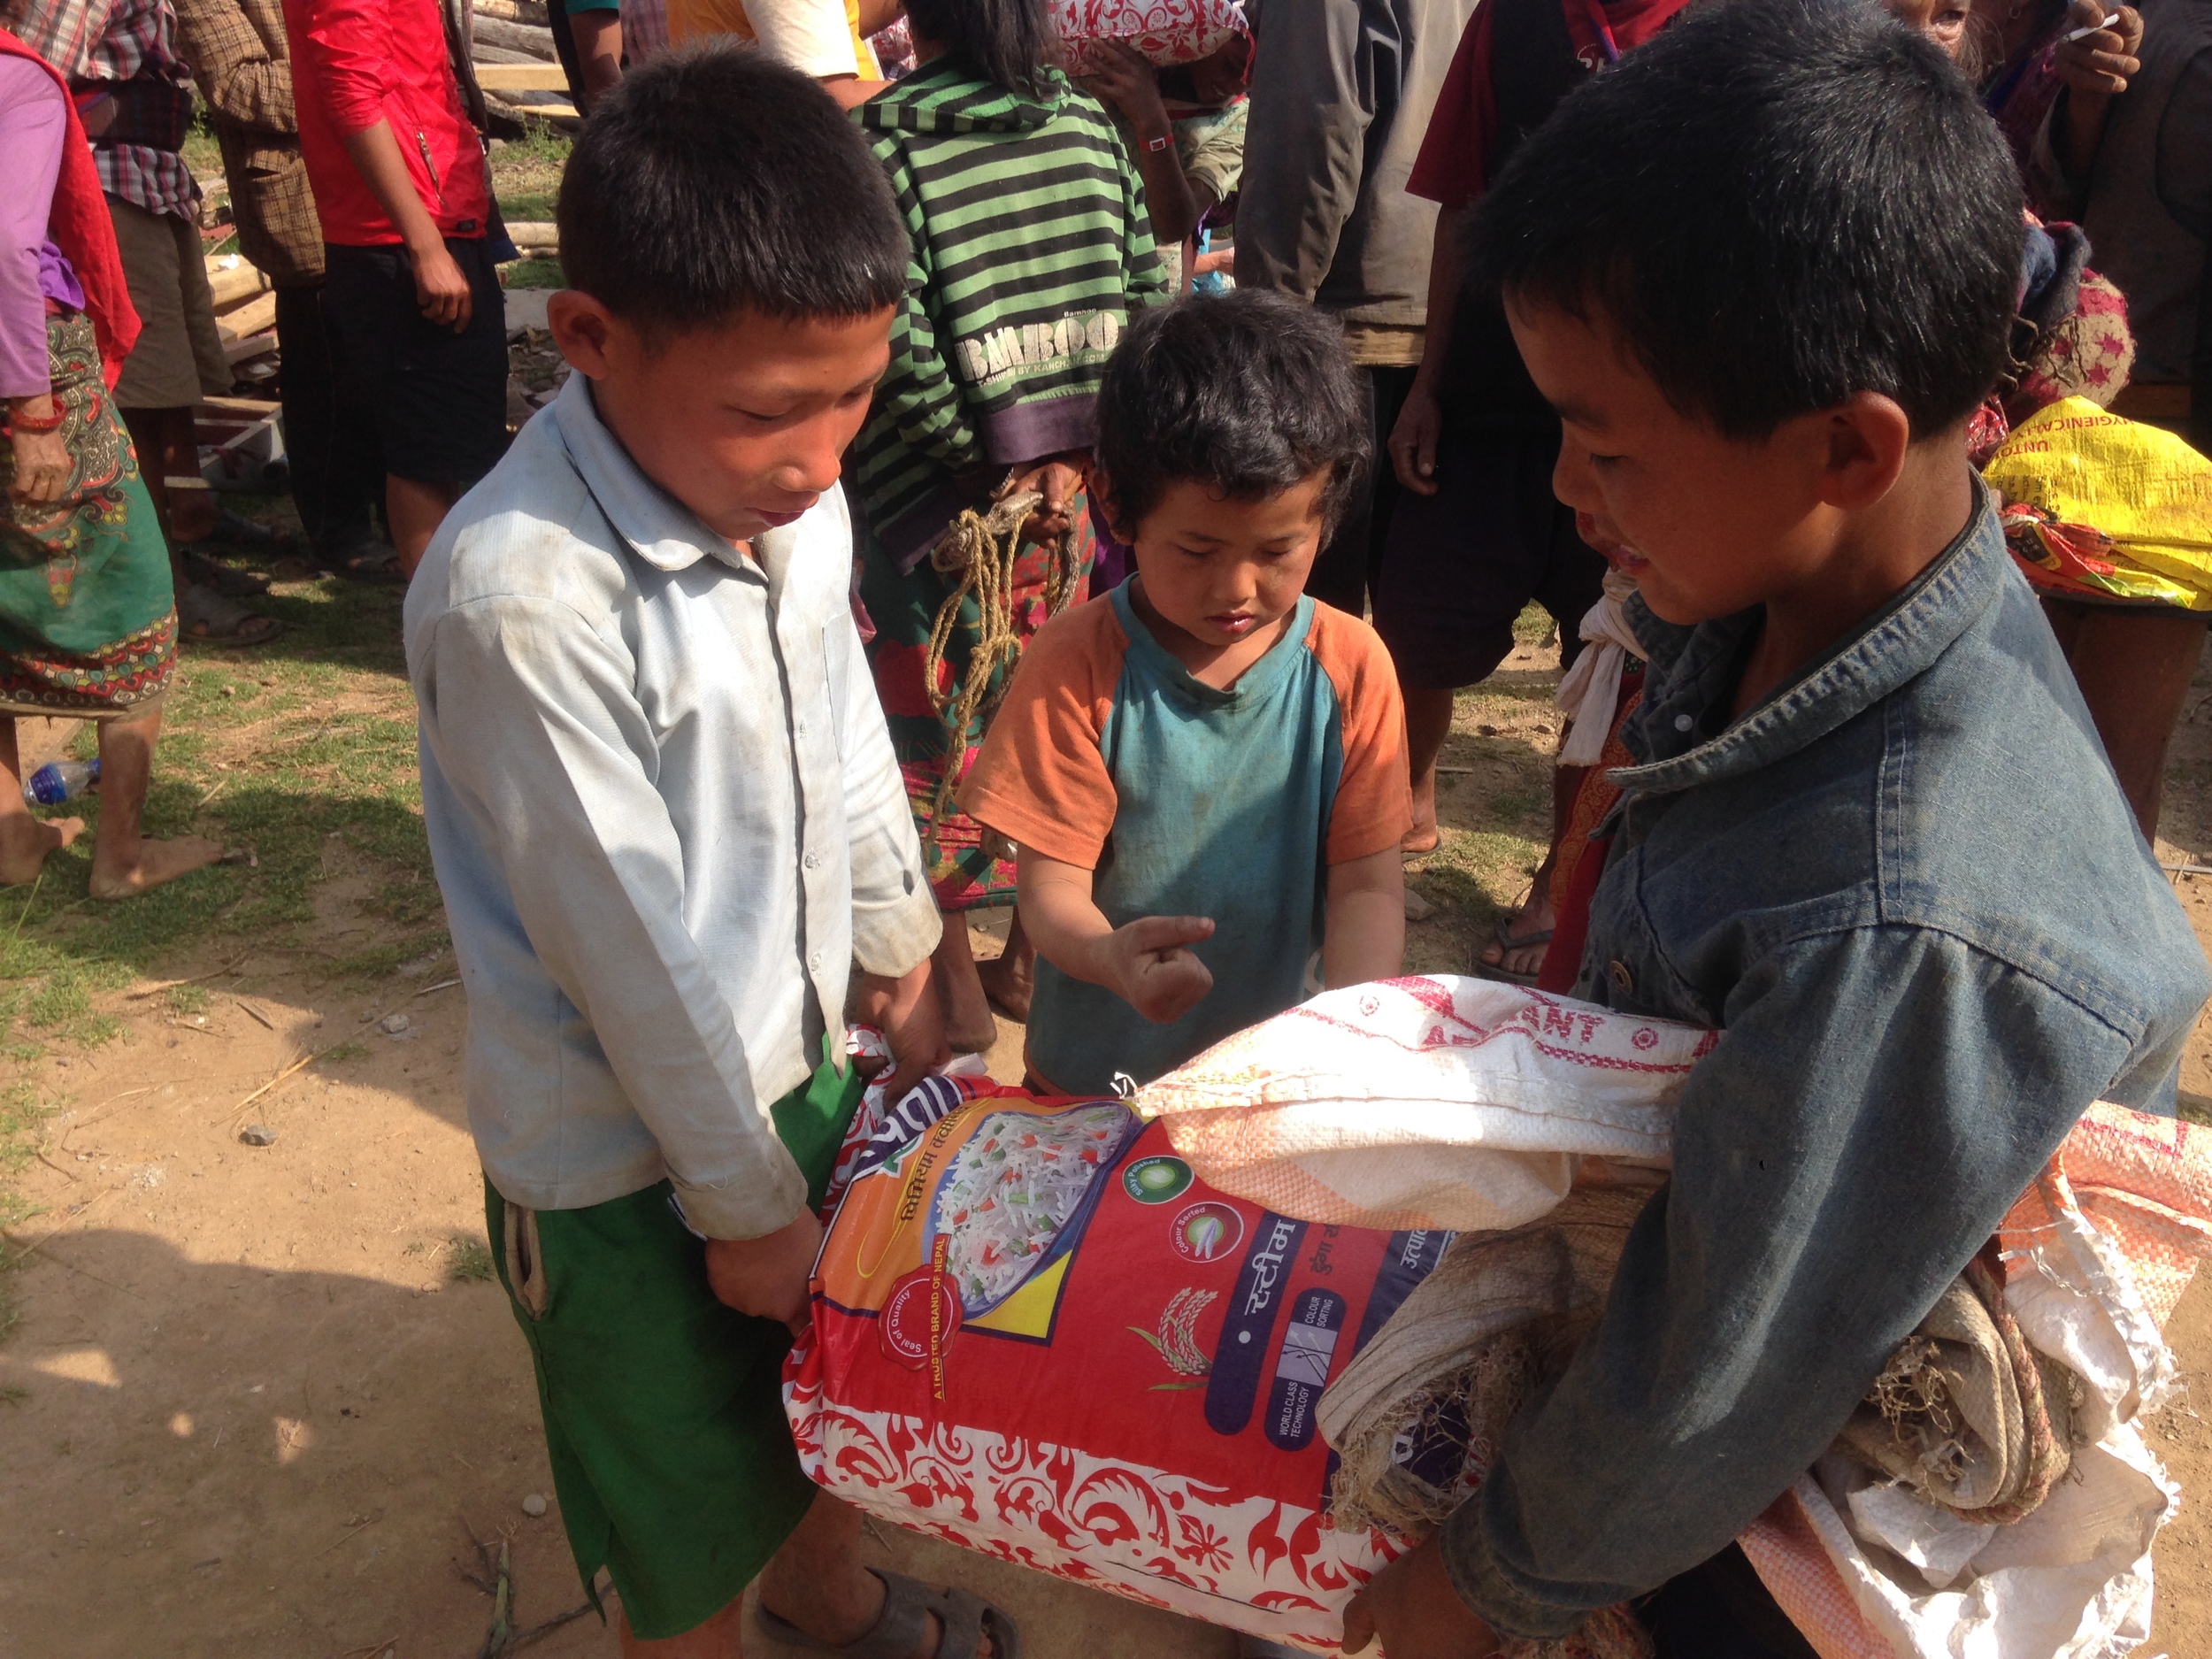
point(1164, 31)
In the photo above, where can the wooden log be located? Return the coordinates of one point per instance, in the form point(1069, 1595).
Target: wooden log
point(517, 37)
point(512, 12)
point(236, 285)
point(539, 237)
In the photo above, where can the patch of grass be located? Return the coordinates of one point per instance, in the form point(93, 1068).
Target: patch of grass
point(534, 273)
point(380, 960)
point(201, 153)
point(302, 752)
point(1534, 626)
point(345, 1051)
point(13, 1397)
point(188, 999)
point(471, 1261)
point(526, 171)
point(2195, 1109)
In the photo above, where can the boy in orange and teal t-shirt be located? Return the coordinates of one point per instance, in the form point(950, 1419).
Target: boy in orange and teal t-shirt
point(1204, 770)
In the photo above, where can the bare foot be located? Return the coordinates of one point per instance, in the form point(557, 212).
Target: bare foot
point(1423, 837)
point(157, 862)
point(26, 840)
point(1008, 979)
point(1527, 935)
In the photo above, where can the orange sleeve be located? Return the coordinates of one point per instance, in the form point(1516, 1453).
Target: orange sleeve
point(1041, 777)
point(1374, 796)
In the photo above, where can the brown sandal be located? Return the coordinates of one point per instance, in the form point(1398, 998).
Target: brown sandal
point(964, 1617)
point(206, 617)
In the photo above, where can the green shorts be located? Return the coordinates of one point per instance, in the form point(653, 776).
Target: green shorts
point(663, 1408)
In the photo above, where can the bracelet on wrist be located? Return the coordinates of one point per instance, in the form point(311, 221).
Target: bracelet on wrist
point(18, 420)
point(1153, 146)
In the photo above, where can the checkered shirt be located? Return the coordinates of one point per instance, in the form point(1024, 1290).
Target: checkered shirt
point(92, 41)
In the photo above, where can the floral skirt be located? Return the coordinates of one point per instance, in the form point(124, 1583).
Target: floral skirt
point(88, 608)
point(965, 873)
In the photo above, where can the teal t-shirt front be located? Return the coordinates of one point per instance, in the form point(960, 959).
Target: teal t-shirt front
point(1186, 800)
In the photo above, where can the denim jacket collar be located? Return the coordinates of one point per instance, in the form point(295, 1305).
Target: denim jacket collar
point(658, 528)
point(1691, 666)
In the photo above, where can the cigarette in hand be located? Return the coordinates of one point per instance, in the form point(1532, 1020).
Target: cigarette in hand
point(2093, 29)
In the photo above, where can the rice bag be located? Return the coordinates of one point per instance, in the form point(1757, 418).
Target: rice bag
point(1037, 1334)
point(1164, 31)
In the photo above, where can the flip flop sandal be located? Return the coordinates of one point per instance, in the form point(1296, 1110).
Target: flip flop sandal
point(1509, 941)
point(375, 566)
point(206, 617)
point(904, 1625)
point(248, 537)
point(234, 584)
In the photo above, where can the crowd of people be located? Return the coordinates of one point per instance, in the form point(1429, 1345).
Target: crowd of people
point(1002, 470)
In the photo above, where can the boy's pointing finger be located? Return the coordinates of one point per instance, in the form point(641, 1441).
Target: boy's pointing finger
point(1159, 935)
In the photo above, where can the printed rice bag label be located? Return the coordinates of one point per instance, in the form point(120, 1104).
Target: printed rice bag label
point(1036, 1333)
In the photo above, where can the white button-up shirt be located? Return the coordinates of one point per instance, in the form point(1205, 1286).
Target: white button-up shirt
point(666, 820)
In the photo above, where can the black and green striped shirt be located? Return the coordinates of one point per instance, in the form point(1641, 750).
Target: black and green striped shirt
point(1031, 244)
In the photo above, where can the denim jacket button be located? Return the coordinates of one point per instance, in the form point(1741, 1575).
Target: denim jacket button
point(1623, 979)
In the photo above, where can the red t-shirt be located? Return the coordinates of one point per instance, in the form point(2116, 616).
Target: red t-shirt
point(1454, 166)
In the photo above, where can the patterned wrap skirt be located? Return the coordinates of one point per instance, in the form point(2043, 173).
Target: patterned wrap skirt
point(88, 608)
point(964, 873)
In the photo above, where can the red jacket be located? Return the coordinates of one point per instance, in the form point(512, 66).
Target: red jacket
point(357, 62)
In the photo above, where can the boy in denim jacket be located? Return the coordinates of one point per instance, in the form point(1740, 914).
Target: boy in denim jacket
point(1764, 270)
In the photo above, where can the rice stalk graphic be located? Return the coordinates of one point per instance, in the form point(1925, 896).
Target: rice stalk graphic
point(1177, 1339)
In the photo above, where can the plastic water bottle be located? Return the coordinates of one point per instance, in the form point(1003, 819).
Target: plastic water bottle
point(60, 780)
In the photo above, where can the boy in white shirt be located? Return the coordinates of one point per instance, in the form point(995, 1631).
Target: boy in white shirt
point(666, 821)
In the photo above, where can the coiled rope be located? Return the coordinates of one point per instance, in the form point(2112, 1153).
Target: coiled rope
point(981, 549)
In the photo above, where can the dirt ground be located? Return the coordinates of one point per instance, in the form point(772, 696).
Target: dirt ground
point(254, 1407)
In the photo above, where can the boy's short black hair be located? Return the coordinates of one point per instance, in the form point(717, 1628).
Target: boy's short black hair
point(1775, 204)
point(715, 179)
point(1247, 394)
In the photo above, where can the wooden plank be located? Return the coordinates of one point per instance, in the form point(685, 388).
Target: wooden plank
point(535, 235)
point(562, 110)
point(534, 77)
point(255, 316)
point(236, 351)
point(251, 408)
point(513, 10)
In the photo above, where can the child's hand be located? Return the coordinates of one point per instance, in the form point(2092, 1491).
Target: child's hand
point(1124, 78)
point(1412, 1605)
point(912, 1020)
point(1153, 972)
point(767, 1277)
point(1056, 478)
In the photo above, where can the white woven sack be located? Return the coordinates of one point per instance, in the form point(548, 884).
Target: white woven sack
point(1431, 1102)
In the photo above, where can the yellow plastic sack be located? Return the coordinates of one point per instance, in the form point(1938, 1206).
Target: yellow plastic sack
point(2145, 489)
